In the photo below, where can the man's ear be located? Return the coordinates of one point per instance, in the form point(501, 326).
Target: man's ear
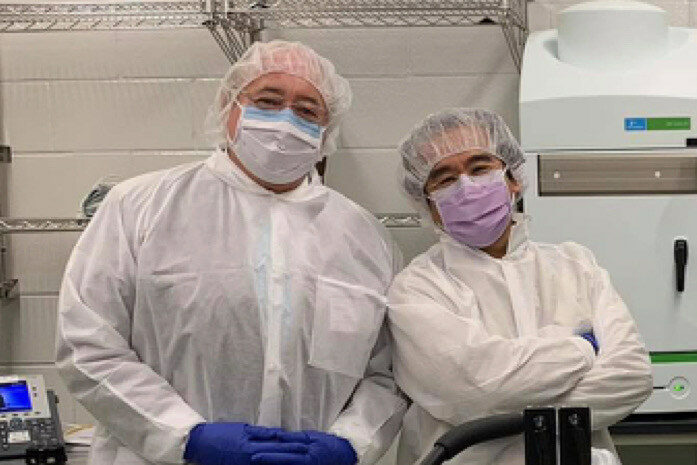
point(515, 186)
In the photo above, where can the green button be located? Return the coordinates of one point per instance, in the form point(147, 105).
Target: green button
point(678, 388)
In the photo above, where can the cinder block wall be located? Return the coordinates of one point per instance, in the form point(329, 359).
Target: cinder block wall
point(78, 106)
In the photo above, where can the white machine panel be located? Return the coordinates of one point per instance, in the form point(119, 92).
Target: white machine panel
point(633, 237)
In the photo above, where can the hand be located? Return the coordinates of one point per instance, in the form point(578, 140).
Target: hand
point(590, 337)
point(235, 444)
point(323, 449)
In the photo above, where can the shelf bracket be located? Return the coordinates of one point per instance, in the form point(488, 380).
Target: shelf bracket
point(233, 36)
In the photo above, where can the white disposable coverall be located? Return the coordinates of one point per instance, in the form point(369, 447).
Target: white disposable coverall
point(476, 336)
point(196, 295)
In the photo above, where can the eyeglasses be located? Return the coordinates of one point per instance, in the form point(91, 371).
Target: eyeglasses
point(303, 109)
point(481, 178)
point(476, 169)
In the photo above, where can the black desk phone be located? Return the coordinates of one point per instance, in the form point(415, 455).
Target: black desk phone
point(30, 428)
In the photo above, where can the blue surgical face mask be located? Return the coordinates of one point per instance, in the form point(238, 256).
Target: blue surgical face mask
point(276, 146)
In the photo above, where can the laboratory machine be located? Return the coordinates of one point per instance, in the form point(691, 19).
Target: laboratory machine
point(608, 119)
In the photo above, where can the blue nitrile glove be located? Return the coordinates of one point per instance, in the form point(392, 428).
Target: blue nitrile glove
point(323, 449)
point(590, 337)
point(235, 443)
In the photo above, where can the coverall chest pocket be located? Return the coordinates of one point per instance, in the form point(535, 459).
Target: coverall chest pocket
point(346, 324)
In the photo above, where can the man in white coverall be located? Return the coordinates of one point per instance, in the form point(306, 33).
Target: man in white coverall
point(237, 291)
point(487, 321)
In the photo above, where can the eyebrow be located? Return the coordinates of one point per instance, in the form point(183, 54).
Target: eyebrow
point(273, 90)
point(306, 98)
point(438, 172)
point(481, 157)
point(280, 92)
point(436, 175)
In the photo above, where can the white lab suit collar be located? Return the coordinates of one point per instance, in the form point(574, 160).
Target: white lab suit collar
point(517, 242)
point(520, 234)
point(224, 168)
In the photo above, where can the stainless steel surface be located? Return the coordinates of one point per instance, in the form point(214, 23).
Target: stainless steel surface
point(67, 16)
point(380, 13)
point(597, 173)
point(37, 225)
point(40, 225)
point(399, 220)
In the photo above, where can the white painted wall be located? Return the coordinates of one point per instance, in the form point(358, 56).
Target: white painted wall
point(77, 106)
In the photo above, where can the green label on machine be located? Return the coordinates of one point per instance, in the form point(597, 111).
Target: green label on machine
point(673, 357)
point(668, 124)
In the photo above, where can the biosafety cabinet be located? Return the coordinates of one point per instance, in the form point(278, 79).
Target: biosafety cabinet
point(608, 118)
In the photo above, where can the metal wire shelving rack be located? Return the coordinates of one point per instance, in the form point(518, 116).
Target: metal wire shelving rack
point(80, 16)
point(510, 15)
point(34, 225)
point(235, 25)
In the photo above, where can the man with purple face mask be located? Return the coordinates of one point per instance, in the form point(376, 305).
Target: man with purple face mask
point(487, 321)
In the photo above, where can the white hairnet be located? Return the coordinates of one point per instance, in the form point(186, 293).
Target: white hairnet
point(454, 131)
point(280, 56)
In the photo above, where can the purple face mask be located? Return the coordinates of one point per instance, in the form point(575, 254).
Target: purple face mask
point(475, 210)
